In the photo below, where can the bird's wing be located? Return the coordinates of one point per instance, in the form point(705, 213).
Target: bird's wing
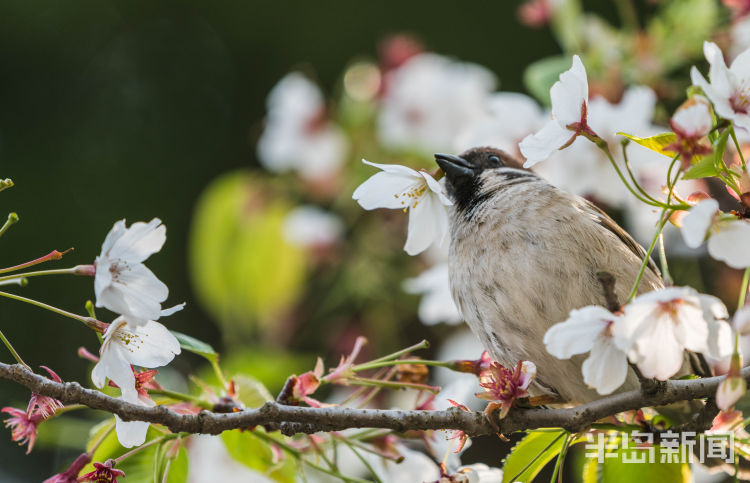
point(610, 224)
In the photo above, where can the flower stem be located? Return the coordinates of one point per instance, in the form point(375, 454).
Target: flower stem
point(101, 439)
point(629, 168)
point(664, 217)
point(88, 321)
point(603, 146)
point(219, 374)
point(363, 381)
point(299, 457)
point(743, 288)
point(59, 271)
point(422, 345)
point(13, 351)
point(557, 473)
point(140, 448)
point(53, 255)
point(12, 220)
point(374, 365)
point(737, 146)
point(665, 275)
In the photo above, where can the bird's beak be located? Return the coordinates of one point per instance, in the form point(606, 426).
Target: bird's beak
point(454, 167)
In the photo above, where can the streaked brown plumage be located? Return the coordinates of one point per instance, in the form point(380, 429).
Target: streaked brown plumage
point(524, 254)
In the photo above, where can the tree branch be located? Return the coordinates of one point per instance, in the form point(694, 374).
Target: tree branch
point(310, 420)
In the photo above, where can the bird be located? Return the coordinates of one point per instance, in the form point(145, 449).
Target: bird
point(523, 254)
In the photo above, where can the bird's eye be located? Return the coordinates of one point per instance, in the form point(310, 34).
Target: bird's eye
point(494, 159)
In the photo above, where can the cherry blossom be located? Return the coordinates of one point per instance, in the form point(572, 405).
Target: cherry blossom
point(729, 88)
point(429, 100)
point(23, 425)
point(509, 118)
point(71, 474)
point(503, 386)
point(733, 387)
point(399, 187)
point(133, 433)
point(146, 345)
point(475, 473)
point(727, 234)
point(46, 406)
point(569, 97)
point(584, 169)
point(310, 226)
point(298, 136)
point(308, 383)
point(691, 123)
point(657, 326)
point(122, 282)
point(591, 329)
point(103, 473)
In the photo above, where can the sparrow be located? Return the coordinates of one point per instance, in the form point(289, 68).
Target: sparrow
point(523, 254)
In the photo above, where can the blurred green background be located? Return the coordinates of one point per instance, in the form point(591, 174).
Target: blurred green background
point(129, 109)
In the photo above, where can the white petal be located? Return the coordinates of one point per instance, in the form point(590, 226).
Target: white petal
point(117, 231)
point(436, 188)
point(741, 322)
point(135, 291)
point(569, 94)
point(730, 243)
point(172, 310)
point(424, 225)
point(693, 118)
point(139, 241)
point(437, 303)
point(730, 390)
point(113, 365)
point(386, 190)
point(659, 351)
point(394, 169)
point(130, 433)
point(538, 147)
point(690, 327)
point(697, 221)
point(718, 72)
point(577, 334)
point(606, 368)
point(719, 339)
point(149, 345)
point(713, 308)
point(740, 68)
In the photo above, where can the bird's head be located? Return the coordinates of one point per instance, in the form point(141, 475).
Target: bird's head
point(477, 173)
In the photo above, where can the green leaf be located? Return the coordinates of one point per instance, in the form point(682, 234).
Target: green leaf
point(590, 472)
point(704, 168)
point(255, 453)
point(707, 166)
point(251, 392)
point(614, 469)
point(178, 467)
point(195, 346)
point(244, 271)
point(656, 143)
point(533, 452)
point(139, 467)
point(539, 76)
